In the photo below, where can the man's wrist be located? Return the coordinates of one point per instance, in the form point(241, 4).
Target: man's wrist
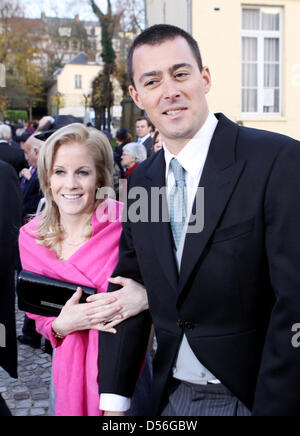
point(109, 413)
point(114, 403)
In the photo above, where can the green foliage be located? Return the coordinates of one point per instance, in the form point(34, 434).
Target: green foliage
point(19, 52)
point(102, 97)
point(14, 115)
point(58, 101)
point(108, 54)
point(98, 92)
point(122, 76)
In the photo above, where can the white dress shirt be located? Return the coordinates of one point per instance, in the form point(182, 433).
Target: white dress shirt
point(192, 158)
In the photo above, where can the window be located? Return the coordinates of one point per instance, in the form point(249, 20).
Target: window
point(261, 61)
point(78, 81)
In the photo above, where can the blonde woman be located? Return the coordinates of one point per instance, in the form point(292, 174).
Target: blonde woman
point(76, 239)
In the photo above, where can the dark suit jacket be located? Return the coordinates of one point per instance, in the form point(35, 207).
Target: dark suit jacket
point(10, 221)
point(13, 156)
point(238, 292)
point(31, 196)
point(148, 145)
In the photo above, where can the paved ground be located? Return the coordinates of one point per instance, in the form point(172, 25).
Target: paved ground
point(28, 395)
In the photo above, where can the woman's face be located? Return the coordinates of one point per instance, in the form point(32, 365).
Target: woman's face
point(73, 180)
point(127, 161)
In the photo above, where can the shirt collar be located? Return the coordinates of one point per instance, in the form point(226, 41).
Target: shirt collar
point(197, 146)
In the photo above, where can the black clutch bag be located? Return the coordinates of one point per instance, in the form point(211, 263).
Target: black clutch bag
point(44, 296)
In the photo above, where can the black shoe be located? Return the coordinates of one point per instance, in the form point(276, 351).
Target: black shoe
point(25, 341)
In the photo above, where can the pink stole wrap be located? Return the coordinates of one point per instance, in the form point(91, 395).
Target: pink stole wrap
point(75, 365)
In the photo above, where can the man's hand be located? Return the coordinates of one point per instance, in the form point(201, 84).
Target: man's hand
point(130, 300)
point(26, 173)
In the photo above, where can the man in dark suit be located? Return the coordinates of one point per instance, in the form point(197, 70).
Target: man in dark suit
point(31, 189)
point(223, 288)
point(142, 126)
point(9, 154)
point(10, 221)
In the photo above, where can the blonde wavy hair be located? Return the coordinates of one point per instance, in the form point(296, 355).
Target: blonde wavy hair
point(50, 233)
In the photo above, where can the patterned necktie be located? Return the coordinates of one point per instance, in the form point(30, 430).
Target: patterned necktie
point(177, 202)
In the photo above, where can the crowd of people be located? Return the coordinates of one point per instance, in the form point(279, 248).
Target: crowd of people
point(221, 298)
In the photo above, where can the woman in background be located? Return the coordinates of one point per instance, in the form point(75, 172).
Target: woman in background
point(133, 154)
point(157, 142)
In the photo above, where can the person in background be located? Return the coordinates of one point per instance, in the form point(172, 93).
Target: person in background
point(31, 189)
point(157, 142)
point(22, 140)
point(143, 135)
point(18, 129)
point(30, 128)
point(123, 137)
point(14, 142)
point(151, 129)
point(76, 239)
point(133, 154)
point(49, 125)
point(10, 221)
point(9, 154)
point(45, 123)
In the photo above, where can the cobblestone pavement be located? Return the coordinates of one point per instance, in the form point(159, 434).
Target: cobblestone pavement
point(29, 394)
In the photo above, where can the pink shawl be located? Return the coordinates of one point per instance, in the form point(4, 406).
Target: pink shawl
point(75, 365)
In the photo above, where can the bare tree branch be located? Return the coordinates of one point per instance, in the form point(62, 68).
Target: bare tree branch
point(97, 11)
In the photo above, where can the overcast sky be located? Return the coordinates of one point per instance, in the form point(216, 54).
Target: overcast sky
point(61, 8)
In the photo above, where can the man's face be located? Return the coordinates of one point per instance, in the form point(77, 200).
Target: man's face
point(32, 148)
point(32, 154)
point(141, 128)
point(171, 88)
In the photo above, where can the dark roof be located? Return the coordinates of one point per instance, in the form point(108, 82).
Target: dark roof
point(80, 59)
point(77, 27)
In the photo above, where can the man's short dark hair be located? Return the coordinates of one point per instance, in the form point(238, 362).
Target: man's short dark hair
point(158, 34)
point(142, 119)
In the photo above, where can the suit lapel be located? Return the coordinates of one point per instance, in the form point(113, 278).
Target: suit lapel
point(160, 232)
point(220, 175)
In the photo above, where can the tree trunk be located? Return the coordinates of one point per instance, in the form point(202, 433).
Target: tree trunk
point(30, 110)
point(97, 120)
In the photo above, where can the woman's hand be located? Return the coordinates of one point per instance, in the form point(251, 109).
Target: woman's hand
point(131, 299)
point(76, 317)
